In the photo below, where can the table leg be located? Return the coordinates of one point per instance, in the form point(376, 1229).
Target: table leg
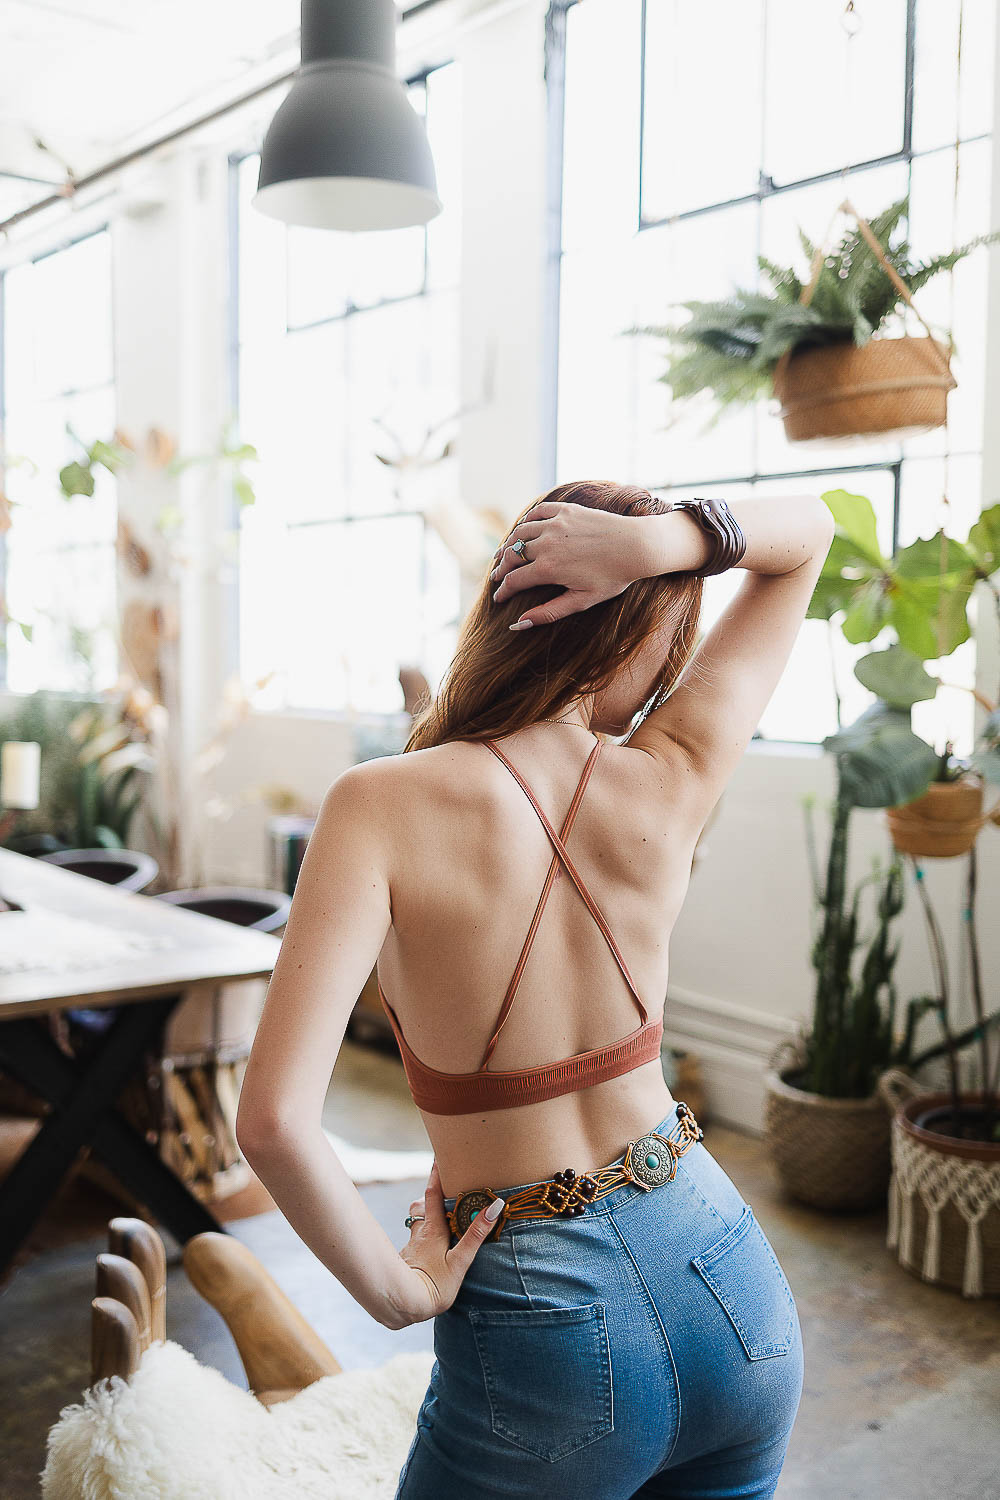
point(83, 1098)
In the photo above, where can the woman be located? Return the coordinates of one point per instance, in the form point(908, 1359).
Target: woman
point(621, 1326)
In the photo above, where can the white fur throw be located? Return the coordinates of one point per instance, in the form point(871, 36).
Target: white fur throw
point(181, 1431)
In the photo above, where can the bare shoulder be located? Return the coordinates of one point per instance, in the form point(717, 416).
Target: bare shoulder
point(660, 777)
point(388, 784)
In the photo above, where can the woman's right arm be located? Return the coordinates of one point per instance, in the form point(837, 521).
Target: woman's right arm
point(710, 716)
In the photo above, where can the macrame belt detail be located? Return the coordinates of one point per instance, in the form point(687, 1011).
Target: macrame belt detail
point(649, 1162)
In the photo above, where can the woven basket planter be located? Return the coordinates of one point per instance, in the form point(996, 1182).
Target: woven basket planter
point(944, 1196)
point(829, 1153)
point(942, 823)
point(888, 386)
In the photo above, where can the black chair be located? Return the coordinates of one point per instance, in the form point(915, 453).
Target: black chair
point(128, 869)
point(265, 911)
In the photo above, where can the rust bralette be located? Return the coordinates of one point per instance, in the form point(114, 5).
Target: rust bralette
point(466, 1093)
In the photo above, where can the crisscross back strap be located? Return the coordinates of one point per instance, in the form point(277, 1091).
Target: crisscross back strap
point(561, 853)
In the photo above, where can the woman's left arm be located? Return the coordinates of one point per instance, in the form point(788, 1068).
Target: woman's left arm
point(339, 918)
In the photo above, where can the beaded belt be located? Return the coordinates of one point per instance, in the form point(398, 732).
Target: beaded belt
point(649, 1162)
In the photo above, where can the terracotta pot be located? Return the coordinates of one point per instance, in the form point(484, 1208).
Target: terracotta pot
point(887, 386)
point(944, 1195)
point(944, 822)
point(829, 1153)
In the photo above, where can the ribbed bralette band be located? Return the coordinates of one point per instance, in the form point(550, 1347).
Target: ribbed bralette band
point(460, 1094)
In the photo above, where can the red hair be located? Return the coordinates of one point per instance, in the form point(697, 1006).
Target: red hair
point(501, 680)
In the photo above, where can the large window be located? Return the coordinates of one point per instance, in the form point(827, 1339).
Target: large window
point(696, 138)
point(348, 388)
point(56, 394)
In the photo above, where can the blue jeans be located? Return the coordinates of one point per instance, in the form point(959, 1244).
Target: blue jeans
point(648, 1347)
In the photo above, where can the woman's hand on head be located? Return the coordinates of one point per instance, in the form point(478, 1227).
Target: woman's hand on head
point(592, 554)
point(436, 1271)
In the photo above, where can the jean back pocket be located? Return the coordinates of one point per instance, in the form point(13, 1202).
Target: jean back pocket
point(548, 1375)
point(742, 1271)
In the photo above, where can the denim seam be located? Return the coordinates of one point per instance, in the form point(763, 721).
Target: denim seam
point(517, 1268)
point(651, 1305)
point(682, 1167)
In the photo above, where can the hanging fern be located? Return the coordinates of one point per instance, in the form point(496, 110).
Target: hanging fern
point(730, 347)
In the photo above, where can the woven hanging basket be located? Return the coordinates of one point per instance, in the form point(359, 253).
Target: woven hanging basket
point(829, 1153)
point(944, 1196)
point(944, 822)
point(893, 387)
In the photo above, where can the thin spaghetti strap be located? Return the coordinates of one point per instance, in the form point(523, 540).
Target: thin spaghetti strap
point(568, 822)
point(563, 854)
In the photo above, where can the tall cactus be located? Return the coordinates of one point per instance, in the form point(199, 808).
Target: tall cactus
point(852, 1036)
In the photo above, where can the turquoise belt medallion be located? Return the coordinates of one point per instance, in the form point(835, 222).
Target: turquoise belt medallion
point(652, 1160)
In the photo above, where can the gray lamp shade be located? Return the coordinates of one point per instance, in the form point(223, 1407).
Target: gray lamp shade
point(346, 149)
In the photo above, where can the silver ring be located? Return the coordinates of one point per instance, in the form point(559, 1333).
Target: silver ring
point(411, 1219)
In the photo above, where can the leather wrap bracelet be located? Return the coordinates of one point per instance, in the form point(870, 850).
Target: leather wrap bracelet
point(717, 520)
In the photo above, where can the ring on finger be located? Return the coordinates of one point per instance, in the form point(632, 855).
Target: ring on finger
point(411, 1219)
point(519, 547)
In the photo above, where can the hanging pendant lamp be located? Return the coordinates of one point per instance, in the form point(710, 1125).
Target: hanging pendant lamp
point(346, 149)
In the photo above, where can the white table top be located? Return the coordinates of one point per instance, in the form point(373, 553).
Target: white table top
point(79, 942)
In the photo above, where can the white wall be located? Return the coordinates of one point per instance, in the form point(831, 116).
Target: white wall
point(740, 977)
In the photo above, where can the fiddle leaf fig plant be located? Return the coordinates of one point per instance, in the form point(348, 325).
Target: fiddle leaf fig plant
point(921, 593)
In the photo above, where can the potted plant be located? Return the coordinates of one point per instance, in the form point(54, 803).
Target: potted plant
point(823, 1109)
point(934, 799)
point(944, 1194)
point(826, 1127)
point(93, 762)
point(823, 346)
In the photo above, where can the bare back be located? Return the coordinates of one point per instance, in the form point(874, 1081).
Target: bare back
point(467, 868)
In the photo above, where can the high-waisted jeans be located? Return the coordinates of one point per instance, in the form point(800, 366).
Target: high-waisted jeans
point(648, 1347)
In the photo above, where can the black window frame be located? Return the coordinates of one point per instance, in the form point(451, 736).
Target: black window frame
point(767, 187)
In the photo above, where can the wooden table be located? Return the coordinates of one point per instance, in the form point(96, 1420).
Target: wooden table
point(78, 942)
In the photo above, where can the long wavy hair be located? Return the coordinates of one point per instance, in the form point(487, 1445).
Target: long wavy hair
point(501, 680)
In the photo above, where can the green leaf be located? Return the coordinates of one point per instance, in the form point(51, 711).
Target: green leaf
point(987, 763)
point(984, 540)
point(76, 479)
point(855, 518)
point(896, 676)
point(106, 838)
point(882, 763)
point(244, 491)
point(106, 454)
point(928, 558)
point(867, 613)
point(930, 614)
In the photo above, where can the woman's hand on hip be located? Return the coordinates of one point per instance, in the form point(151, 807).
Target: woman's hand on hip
point(434, 1271)
point(592, 554)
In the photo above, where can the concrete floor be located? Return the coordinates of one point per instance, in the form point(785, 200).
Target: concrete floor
point(902, 1387)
